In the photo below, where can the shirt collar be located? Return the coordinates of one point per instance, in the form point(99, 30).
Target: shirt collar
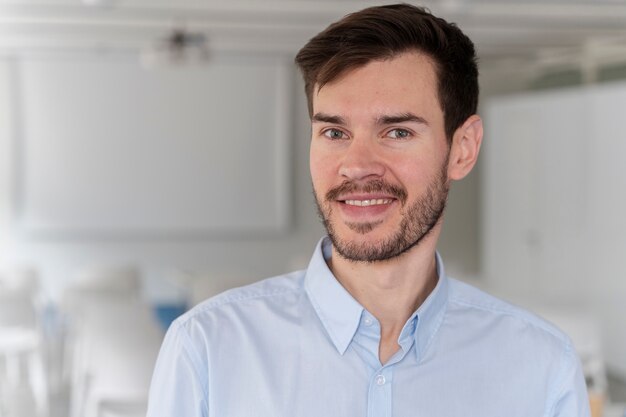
point(430, 314)
point(340, 313)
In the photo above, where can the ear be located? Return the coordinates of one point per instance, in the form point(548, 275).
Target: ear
point(465, 147)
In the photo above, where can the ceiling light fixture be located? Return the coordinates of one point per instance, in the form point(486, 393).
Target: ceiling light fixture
point(179, 47)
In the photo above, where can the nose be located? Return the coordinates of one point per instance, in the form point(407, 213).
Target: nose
point(361, 161)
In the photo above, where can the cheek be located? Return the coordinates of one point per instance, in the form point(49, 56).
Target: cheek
point(411, 169)
point(416, 174)
point(321, 168)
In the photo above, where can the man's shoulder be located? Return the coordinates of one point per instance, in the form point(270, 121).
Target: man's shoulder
point(464, 298)
point(273, 290)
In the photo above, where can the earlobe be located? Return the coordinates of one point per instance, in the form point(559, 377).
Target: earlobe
point(465, 148)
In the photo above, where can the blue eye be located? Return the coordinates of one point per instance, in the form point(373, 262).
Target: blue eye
point(334, 134)
point(399, 133)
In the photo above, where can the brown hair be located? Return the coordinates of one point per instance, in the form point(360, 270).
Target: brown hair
point(379, 33)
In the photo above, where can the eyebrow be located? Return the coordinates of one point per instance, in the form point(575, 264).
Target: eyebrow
point(401, 118)
point(327, 118)
point(382, 120)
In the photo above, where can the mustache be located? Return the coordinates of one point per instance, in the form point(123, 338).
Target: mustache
point(374, 186)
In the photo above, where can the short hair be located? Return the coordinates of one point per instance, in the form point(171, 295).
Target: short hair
point(383, 32)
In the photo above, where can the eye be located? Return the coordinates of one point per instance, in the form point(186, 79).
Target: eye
point(334, 134)
point(399, 133)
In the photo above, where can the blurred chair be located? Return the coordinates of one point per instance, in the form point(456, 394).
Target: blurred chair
point(109, 279)
point(91, 285)
point(100, 281)
point(117, 343)
point(21, 348)
point(22, 279)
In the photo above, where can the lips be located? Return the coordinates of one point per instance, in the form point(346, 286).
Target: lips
point(364, 208)
point(377, 192)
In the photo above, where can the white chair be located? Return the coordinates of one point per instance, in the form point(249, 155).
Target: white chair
point(22, 279)
point(92, 285)
point(21, 351)
point(118, 279)
point(98, 281)
point(117, 343)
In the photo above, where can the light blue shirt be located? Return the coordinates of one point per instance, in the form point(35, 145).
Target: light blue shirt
point(299, 345)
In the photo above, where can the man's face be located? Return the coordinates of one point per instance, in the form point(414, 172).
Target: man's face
point(379, 157)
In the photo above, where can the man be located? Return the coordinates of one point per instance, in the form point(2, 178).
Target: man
point(374, 327)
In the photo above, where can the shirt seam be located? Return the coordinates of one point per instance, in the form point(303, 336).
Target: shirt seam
point(194, 357)
point(213, 304)
point(553, 397)
point(520, 317)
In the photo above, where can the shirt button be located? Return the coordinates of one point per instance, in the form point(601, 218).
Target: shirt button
point(380, 379)
point(367, 321)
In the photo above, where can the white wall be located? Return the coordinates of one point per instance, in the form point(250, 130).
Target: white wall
point(6, 152)
point(554, 203)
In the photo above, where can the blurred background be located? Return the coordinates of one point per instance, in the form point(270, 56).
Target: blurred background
point(155, 153)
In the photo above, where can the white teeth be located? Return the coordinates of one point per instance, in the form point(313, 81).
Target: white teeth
point(373, 202)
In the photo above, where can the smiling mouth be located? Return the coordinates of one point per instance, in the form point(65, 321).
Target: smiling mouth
point(372, 202)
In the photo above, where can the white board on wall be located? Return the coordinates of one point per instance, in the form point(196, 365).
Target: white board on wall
point(106, 147)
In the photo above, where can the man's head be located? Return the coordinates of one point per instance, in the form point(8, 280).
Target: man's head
point(380, 33)
point(388, 134)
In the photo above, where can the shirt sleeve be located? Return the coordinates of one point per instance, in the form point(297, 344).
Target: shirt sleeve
point(572, 399)
point(179, 385)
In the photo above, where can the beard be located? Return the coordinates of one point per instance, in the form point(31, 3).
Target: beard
point(418, 219)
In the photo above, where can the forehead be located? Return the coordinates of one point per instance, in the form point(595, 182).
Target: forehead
point(406, 82)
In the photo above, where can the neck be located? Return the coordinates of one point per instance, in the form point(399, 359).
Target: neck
point(390, 290)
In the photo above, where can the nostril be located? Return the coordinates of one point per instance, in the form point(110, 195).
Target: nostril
point(362, 171)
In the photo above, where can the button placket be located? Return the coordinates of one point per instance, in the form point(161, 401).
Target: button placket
point(380, 379)
point(380, 393)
